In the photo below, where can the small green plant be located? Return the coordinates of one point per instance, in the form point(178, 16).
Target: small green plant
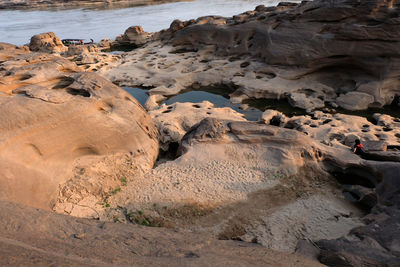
point(140, 212)
point(154, 205)
point(107, 205)
point(165, 207)
point(124, 181)
point(115, 218)
point(116, 190)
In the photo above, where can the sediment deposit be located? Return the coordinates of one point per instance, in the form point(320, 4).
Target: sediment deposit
point(43, 4)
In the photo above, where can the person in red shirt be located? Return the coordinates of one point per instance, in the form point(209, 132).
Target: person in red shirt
point(358, 148)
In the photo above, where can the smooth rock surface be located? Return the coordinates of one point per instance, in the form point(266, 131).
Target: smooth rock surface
point(66, 134)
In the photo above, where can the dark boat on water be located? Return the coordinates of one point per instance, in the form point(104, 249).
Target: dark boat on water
point(68, 42)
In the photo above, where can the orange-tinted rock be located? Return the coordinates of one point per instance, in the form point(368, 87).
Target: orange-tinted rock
point(134, 36)
point(66, 134)
point(47, 42)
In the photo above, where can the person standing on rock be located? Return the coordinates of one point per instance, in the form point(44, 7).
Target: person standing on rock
point(358, 148)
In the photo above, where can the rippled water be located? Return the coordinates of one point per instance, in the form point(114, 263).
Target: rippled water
point(17, 26)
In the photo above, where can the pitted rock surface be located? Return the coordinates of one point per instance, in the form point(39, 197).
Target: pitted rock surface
point(67, 135)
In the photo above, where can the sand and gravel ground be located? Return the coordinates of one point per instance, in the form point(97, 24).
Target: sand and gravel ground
point(234, 198)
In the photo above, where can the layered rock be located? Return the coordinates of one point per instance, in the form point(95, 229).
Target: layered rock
point(47, 43)
point(8, 51)
point(67, 134)
point(318, 40)
point(173, 121)
point(372, 184)
point(134, 36)
point(342, 130)
point(311, 53)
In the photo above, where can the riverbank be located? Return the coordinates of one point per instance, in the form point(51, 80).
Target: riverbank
point(61, 4)
point(17, 26)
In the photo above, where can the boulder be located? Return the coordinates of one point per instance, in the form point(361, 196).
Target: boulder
point(67, 135)
point(80, 49)
point(47, 42)
point(273, 117)
point(176, 25)
point(135, 36)
point(355, 101)
point(173, 121)
point(305, 102)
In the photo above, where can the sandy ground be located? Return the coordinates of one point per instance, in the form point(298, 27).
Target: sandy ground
point(51, 239)
point(229, 197)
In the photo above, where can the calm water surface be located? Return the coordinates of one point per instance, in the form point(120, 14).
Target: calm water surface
point(17, 26)
point(219, 101)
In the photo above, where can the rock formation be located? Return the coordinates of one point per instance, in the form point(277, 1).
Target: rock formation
point(280, 182)
point(47, 42)
point(67, 134)
point(134, 36)
point(312, 53)
point(375, 243)
point(173, 121)
point(372, 184)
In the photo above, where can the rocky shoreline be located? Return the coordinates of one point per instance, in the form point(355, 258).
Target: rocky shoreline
point(45, 4)
point(288, 183)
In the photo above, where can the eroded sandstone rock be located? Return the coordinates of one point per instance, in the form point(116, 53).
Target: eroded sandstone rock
point(173, 121)
point(311, 52)
point(47, 42)
point(134, 36)
point(67, 135)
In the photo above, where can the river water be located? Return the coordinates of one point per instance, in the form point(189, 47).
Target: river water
point(17, 26)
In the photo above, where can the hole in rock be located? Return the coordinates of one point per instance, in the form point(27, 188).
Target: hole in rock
point(251, 37)
point(234, 58)
point(120, 48)
point(355, 177)
point(183, 50)
point(244, 64)
point(25, 77)
point(393, 147)
point(80, 92)
point(276, 121)
point(64, 82)
point(170, 154)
